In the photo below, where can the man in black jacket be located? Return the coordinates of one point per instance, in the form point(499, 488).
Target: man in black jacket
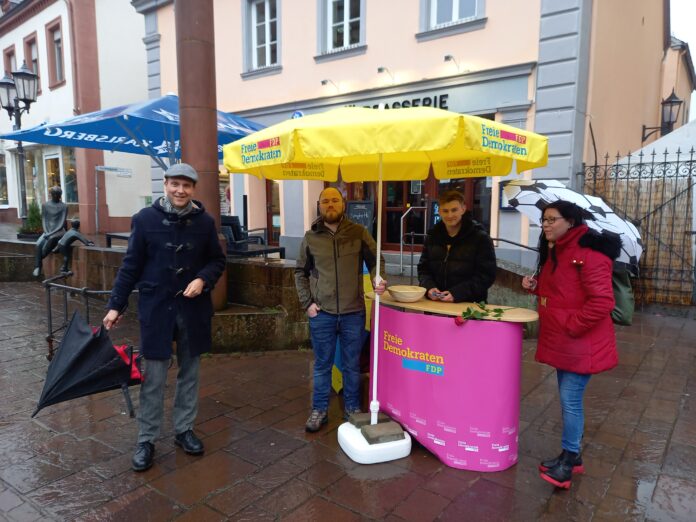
point(458, 260)
point(174, 258)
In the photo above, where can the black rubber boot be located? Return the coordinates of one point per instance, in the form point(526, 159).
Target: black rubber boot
point(550, 463)
point(561, 474)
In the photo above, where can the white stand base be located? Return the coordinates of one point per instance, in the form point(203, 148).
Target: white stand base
point(359, 450)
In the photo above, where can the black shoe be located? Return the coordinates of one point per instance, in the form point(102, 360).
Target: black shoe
point(189, 442)
point(550, 463)
point(561, 474)
point(142, 458)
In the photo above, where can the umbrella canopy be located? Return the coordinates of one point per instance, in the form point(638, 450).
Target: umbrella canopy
point(87, 362)
point(376, 145)
point(408, 142)
point(530, 197)
point(150, 127)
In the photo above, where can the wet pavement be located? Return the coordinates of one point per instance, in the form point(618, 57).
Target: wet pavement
point(72, 461)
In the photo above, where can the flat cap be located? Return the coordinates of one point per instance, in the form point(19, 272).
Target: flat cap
point(182, 170)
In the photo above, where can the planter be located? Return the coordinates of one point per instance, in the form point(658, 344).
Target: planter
point(29, 236)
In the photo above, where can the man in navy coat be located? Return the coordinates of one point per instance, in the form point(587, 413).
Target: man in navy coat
point(174, 259)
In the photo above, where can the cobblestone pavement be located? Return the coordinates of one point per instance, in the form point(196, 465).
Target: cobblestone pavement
point(73, 460)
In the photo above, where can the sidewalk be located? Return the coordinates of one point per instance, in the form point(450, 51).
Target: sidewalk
point(73, 459)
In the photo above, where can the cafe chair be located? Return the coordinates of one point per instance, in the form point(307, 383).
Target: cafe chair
point(242, 234)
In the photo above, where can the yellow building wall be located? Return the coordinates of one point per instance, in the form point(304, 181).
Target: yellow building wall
point(511, 36)
point(625, 86)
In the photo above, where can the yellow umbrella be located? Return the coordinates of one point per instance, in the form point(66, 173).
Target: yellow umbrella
point(408, 141)
point(393, 145)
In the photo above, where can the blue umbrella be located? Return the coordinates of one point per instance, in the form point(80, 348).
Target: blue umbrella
point(150, 127)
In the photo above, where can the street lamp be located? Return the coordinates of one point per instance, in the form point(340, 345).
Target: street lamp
point(23, 87)
point(669, 114)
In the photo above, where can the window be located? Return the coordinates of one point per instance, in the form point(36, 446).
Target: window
point(54, 48)
point(443, 12)
point(264, 33)
point(4, 199)
point(9, 60)
point(31, 56)
point(343, 24)
point(260, 37)
point(441, 18)
point(341, 29)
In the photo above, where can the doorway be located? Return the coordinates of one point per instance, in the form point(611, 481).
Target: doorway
point(273, 212)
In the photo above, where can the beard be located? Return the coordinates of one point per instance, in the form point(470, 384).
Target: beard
point(332, 217)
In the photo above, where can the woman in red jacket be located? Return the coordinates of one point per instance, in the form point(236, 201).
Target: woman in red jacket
point(576, 334)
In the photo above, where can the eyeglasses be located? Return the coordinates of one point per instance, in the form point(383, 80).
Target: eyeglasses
point(550, 220)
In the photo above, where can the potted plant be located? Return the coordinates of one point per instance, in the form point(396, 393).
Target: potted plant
point(32, 227)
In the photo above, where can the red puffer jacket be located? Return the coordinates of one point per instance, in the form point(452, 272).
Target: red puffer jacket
point(575, 302)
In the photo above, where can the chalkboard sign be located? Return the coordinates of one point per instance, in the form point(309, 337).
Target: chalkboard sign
point(362, 212)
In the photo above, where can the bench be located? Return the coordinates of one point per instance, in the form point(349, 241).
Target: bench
point(110, 236)
point(251, 250)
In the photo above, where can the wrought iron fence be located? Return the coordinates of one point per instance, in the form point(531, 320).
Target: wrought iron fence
point(656, 192)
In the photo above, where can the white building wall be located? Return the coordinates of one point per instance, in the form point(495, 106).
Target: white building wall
point(122, 80)
point(51, 105)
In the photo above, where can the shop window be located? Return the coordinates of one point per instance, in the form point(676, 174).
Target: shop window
point(4, 199)
point(70, 176)
point(34, 182)
point(343, 26)
point(9, 60)
point(54, 49)
point(445, 17)
point(31, 56)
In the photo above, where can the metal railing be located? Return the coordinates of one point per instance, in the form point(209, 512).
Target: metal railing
point(412, 235)
point(50, 285)
point(401, 236)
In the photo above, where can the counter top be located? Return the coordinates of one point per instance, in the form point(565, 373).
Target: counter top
point(510, 314)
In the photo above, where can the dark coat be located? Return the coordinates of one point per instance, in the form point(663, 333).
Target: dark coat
point(165, 253)
point(576, 298)
point(467, 270)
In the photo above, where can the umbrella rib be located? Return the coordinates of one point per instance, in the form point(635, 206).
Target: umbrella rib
point(142, 144)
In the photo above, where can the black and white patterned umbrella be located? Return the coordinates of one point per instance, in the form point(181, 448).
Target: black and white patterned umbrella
point(530, 197)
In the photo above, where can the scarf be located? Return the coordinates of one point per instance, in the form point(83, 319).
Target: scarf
point(171, 209)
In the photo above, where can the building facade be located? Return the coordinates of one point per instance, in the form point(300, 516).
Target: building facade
point(588, 74)
point(88, 55)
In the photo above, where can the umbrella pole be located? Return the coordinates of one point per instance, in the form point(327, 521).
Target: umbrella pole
point(374, 404)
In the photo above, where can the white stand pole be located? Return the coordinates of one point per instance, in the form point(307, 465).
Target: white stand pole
point(374, 404)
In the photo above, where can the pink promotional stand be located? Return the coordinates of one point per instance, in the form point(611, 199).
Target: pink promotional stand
point(454, 388)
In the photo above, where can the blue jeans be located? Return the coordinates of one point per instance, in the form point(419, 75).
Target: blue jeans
point(571, 387)
point(324, 329)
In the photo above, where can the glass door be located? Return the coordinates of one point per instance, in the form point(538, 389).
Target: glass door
point(52, 170)
point(273, 212)
point(399, 197)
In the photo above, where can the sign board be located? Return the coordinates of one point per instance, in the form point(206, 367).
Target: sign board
point(362, 212)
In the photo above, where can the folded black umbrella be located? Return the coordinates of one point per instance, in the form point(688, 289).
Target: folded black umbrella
point(87, 362)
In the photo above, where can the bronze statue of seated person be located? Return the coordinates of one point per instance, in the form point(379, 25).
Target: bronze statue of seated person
point(65, 244)
point(53, 216)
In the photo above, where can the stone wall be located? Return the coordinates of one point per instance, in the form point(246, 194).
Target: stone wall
point(271, 319)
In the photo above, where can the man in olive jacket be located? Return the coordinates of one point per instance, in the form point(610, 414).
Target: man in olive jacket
point(174, 258)
point(328, 277)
